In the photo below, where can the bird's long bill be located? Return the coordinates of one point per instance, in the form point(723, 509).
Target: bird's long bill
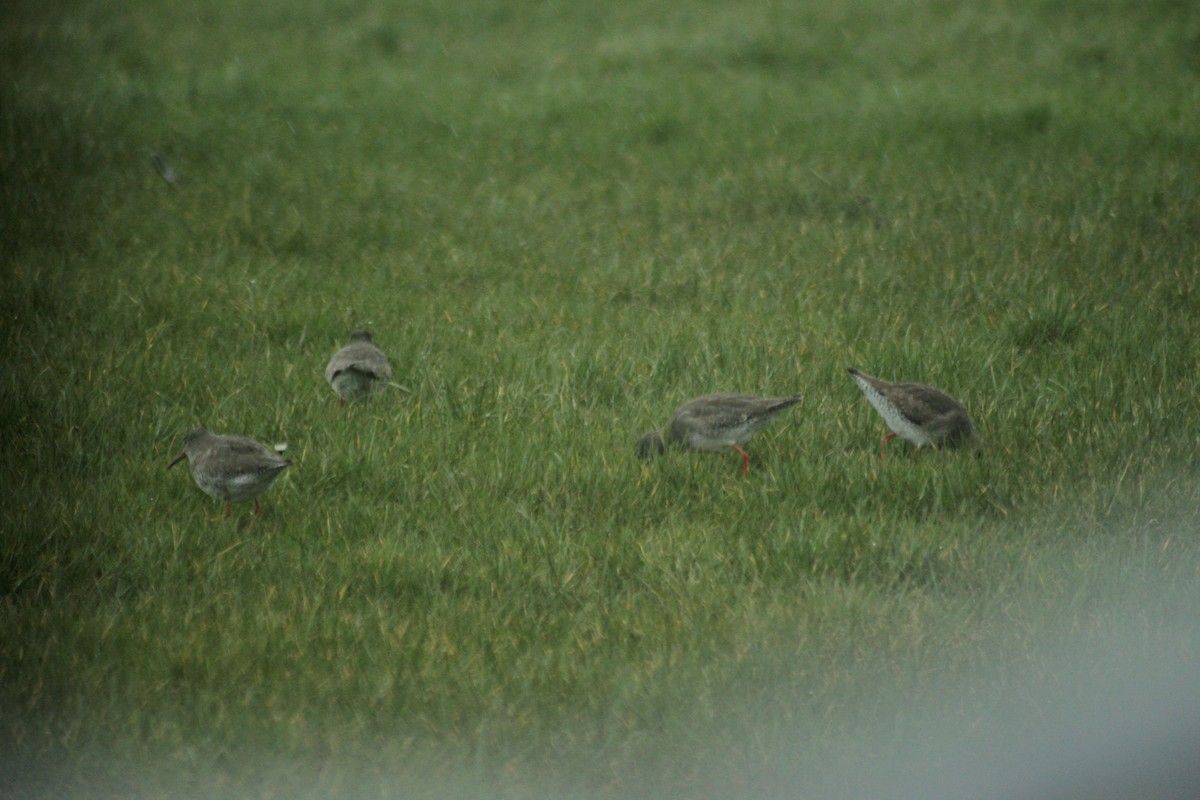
point(177, 459)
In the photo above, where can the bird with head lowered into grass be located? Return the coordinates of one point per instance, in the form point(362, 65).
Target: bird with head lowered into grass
point(918, 413)
point(231, 468)
point(715, 422)
point(358, 368)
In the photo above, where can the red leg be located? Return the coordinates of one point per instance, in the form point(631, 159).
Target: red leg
point(228, 509)
point(886, 439)
point(745, 459)
point(257, 507)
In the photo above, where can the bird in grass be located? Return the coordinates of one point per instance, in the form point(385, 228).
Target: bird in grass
point(231, 468)
point(165, 170)
point(920, 414)
point(358, 368)
point(714, 422)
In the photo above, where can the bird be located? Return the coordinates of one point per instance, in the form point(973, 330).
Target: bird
point(167, 172)
point(231, 468)
point(918, 413)
point(714, 422)
point(358, 368)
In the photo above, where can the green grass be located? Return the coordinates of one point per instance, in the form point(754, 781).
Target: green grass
point(560, 221)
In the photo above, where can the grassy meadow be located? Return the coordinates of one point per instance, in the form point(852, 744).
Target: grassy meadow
point(561, 220)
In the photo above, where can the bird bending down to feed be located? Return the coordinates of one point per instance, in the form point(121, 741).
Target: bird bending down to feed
point(358, 368)
point(714, 422)
point(230, 468)
point(918, 413)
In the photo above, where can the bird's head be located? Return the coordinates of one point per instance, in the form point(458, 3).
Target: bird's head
point(650, 445)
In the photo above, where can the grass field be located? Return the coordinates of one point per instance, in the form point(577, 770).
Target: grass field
point(561, 220)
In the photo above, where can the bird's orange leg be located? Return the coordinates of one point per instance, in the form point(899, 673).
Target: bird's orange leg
point(254, 515)
point(885, 443)
point(228, 509)
point(745, 459)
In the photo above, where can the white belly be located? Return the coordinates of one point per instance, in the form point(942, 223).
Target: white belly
point(900, 424)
